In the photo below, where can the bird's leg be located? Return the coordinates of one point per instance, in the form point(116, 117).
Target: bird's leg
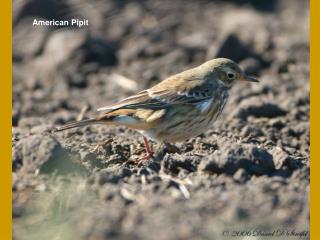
point(147, 156)
point(148, 149)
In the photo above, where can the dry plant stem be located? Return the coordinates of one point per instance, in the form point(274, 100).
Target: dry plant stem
point(82, 112)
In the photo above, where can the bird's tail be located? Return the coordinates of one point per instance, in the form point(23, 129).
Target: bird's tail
point(81, 123)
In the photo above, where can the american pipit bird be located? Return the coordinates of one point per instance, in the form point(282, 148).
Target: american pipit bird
point(178, 108)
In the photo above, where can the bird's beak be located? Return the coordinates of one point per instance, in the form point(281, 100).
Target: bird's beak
point(246, 78)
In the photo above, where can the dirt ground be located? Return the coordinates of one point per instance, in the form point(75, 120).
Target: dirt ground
point(247, 175)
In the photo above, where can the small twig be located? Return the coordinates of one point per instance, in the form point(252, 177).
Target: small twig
point(127, 193)
point(180, 183)
point(184, 191)
point(82, 112)
point(124, 82)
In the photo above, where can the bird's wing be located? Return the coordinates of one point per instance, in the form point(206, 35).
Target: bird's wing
point(183, 88)
point(159, 99)
point(182, 96)
point(140, 100)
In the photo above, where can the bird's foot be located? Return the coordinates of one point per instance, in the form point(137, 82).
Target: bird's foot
point(147, 157)
point(141, 160)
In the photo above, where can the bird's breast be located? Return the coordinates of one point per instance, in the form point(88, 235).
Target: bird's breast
point(223, 98)
point(214, 106)
point(181, 122)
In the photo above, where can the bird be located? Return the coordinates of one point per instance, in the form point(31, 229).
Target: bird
point(178, 108)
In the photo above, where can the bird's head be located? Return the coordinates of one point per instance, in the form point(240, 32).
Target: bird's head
point(225, 71)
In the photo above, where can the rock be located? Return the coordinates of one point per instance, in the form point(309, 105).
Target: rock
point(173, 164)
point(66, 41)
point(197, 40)
point(77, 80)
point(15, 117)
point(44, 154)
point(35, 38)
point(229, 159)
point(92, 159)
point(41, 129)
point(250, 65)
point(17, 157)
point(98, 50)
point(48, 9)
point(229, 46)
point(251, 131)
point(149, 168)
point(17, 210)
point(29, 122)
point(293, 164)
point(261, 6)
point(284, 161)
point(277, 123)
point(129, 52)
point(77, 47)
point(257, 37)
point(258, 108)
point(113, 176)
point(279, 157)
point(240, 175)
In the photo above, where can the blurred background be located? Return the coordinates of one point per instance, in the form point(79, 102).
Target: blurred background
point(251, 170)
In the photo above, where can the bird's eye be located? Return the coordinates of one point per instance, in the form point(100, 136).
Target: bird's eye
point(231, 75)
